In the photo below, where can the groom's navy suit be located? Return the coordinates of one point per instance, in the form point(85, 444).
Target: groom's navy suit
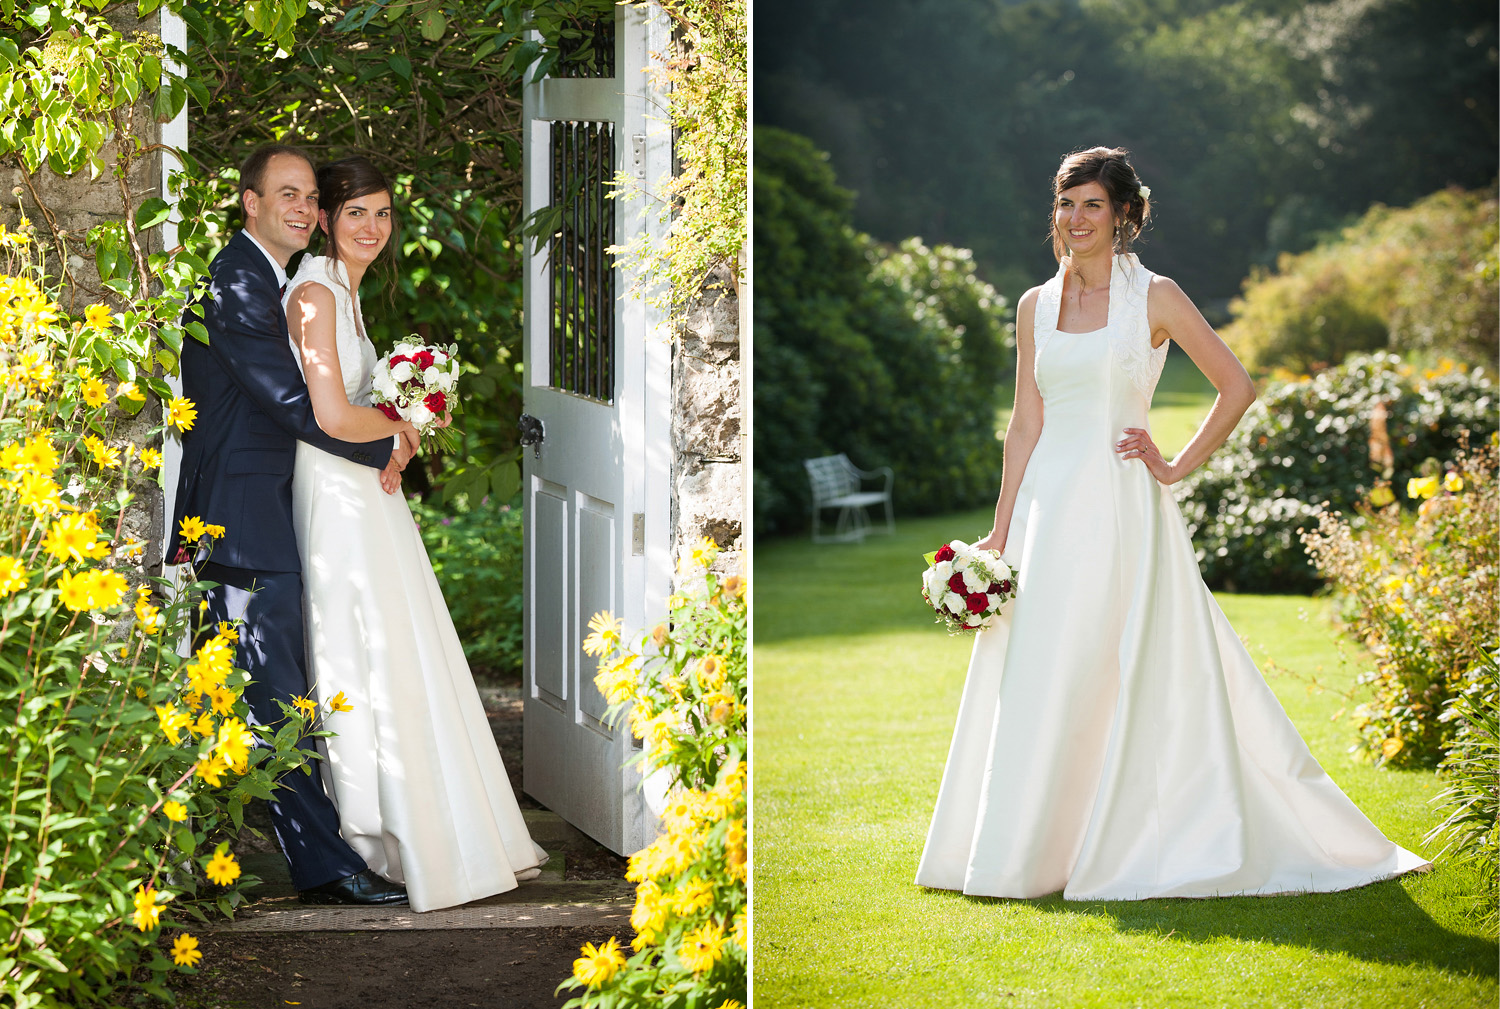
point(237, 462)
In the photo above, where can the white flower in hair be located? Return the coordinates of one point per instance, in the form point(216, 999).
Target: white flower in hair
point(1145, 192)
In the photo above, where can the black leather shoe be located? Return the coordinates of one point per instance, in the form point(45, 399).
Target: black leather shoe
point(360, 888)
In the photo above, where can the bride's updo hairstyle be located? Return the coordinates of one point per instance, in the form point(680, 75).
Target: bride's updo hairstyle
point(1111, 168)
point(349, 179)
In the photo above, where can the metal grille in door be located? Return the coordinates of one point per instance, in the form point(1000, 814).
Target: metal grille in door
point(582, 277)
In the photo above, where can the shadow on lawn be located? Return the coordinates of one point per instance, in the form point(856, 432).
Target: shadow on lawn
point(1379, 923)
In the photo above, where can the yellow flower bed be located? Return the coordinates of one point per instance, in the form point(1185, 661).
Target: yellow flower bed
point(127, 766)
point(686, 689)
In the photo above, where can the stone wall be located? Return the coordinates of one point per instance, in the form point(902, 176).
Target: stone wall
point(71, 205)
point(708, 436)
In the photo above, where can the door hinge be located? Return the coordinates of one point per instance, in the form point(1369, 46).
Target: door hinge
point(638, 534)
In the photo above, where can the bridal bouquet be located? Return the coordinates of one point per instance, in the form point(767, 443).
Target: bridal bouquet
point(966, 587)
point(414, 383)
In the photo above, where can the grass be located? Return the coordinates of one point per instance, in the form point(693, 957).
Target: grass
point(1181, 401)
point(856, 691)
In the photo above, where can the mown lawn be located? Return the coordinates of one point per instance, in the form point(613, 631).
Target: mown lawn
point(856, 691)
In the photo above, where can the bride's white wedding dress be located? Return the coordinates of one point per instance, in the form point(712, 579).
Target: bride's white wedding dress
point(420, 789)
point(1115, 740)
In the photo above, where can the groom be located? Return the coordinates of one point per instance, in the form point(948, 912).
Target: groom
point(237, 461)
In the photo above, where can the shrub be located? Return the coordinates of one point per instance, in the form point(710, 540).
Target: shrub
point(893, 355)
point(1419, 279)
point(128, 766)
point(1309, 441)
point(687, 690)
point(1472, 798)
point(476, 553)
point(1421, 593)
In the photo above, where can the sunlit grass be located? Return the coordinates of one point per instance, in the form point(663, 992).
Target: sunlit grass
point(856, 691)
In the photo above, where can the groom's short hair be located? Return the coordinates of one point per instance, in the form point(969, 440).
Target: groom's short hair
point(254, 168)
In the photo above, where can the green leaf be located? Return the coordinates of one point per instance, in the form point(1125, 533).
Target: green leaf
point(433, 25)
point(151, 213)
point(401, 65)
point(505, 481)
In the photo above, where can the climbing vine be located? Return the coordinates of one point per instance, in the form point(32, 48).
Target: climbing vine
point(705, 74)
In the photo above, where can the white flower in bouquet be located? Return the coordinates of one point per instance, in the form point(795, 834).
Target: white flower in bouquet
point(419, 416)
point(942, 570)
point(401, 372)
point(975, 580)
point(384, 384)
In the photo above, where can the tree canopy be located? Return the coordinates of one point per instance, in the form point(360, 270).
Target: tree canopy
point(1258, 124)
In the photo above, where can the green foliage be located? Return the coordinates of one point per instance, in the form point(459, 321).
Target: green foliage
point(437, 107)
point(105, 724)
point(704, 202)
point(1307, 442)
point(1258, 124)
point(891, 355)
point(475, 549)
point(1421, 593)
point(1419, 279)
point(1472, 798)
point(687, 688)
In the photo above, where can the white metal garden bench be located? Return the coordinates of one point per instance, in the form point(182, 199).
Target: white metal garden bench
point(838, 483)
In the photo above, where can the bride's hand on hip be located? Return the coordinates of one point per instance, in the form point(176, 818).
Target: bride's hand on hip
point(1137, 444)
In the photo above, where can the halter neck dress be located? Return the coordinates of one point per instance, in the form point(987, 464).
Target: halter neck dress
point(1115, 740)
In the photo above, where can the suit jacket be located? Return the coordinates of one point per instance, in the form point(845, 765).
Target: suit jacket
point(253, 408)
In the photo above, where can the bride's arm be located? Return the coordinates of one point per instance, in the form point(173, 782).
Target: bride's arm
point(310, 319)
point(1025, 423)
point(1173, 313)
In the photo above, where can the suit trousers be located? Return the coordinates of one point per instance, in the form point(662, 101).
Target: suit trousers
point(272, 650)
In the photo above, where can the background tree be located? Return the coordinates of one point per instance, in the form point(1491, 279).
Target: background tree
point(1259, 124)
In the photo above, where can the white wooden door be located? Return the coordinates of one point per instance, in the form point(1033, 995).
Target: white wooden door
point(598, 379)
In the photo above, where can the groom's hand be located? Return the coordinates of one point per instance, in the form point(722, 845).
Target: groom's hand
point(412, 443)
point(390, 477)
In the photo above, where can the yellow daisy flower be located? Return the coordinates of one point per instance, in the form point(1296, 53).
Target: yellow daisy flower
point(339, 703)
point(175, 811)
point(185, 952)
point(222, 868)
point(702, 948)
point(94, 392)
point(598, 964)
point(97, 316)
point(130, 391)
point(150, 458)
point(147, 910)
point(12, 575)
point(606, 634)
point(181, 413)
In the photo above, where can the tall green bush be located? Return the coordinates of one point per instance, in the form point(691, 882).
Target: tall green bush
point(475, 549)
point(893, 355)
point(1306, 442)
point(1419, 280)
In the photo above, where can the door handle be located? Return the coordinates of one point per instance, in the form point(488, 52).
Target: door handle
point(533, 432)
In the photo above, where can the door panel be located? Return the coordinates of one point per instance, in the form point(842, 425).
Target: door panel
point(598, 376)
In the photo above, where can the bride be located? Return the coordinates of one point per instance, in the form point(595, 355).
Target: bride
point(414, 771)
point(1114, 740)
